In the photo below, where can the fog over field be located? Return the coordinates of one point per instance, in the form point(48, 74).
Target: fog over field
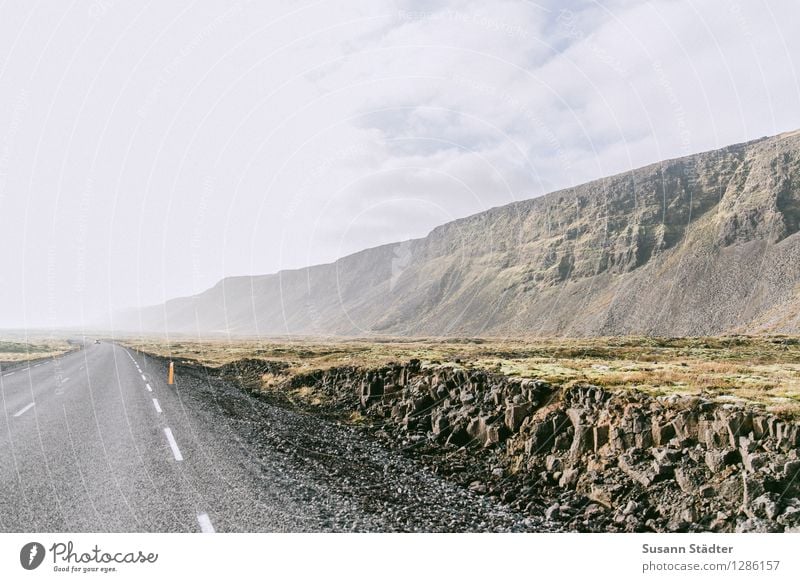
point(149, 150)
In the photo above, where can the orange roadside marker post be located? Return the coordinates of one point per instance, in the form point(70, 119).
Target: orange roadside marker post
point(171, 379)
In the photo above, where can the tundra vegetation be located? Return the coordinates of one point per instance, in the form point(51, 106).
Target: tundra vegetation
point(758, 369)
point(14, 350)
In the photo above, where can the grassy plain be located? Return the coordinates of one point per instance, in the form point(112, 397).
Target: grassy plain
point(759, 369)
point(14, 350)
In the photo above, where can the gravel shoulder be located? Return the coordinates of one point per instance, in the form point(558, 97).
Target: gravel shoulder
point(328, 476)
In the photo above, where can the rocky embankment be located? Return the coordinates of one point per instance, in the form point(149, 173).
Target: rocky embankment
point(584, 458)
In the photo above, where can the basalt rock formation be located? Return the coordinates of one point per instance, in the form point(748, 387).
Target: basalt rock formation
point(584, 458)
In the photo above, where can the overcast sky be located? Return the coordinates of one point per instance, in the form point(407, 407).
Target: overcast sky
point(148, 149)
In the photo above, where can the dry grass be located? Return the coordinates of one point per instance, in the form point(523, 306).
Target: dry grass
point(13, 350)
point(759, 369)
point(308, 394)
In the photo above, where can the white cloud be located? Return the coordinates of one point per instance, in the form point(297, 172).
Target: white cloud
point(186, 146)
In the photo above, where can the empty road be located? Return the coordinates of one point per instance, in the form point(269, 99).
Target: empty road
point(96, 440)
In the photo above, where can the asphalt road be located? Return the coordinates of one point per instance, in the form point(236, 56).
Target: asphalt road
point(96, 441)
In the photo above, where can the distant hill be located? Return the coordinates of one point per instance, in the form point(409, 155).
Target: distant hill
point(704, 244)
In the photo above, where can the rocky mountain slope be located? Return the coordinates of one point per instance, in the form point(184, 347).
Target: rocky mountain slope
point(700, 245)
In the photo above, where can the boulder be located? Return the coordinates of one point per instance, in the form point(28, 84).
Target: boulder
point(476, 429)
point(689, 479)
point(686, 426)
point(541, 438)
point(791, 470)
point(663, 433)
point(552, 513)
point(440, 424)
point(764, 506)
point(562, 442)
point(553, 464)
point(642, 473)
point(752, 489)
point(600, 436)
point(760, 427)
point(577, 416)
point(582, 442)
point(602, 495)
point(735, 423)
point(482, 432)
point(371, 390)
point(753, 461)
point(569, 478)
point(719, 459)
point(516, 413)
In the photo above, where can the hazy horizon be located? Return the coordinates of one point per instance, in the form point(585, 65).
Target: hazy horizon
point(147, 152)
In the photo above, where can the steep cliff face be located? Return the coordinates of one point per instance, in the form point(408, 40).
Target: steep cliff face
point(704, 244)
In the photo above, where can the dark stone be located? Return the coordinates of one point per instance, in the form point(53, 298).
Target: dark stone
point(371, 389)
point(562, 442)
point(440, 425)
point(717, 460)
point(552, 513)
point(753, 461)
point(760, 427)
point(515, 414)
point(600, 436)
point(541, 439)
point(569, 478)
point(582, 442)
point(686, 426)
point(663, 433)
point(791, 470)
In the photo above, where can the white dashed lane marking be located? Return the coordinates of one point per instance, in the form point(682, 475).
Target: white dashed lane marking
point(158, 407)
point(143, 378)
point(205, 523)
point(24, 410)
point(149, 388)
point(176, 452)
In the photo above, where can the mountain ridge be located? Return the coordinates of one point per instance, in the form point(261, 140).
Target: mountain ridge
point(665, 249)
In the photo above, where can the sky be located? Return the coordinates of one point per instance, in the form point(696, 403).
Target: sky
point(149, 149)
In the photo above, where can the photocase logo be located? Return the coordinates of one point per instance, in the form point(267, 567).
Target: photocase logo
point(31, 555)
